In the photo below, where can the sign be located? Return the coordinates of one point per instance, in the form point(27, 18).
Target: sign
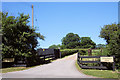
point(106, 59)
point(8, 60)
point(43, 49)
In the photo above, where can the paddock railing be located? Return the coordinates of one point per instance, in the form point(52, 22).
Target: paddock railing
point(83, 62)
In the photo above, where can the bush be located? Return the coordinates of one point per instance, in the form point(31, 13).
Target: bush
point(67, 52)
point(105, 52)
point(83, 52)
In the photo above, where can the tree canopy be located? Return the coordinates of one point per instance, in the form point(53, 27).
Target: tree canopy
point(17, 37)
point(107, 30)
point(71, 40)
point(86, 42)
point(54, 46)
point(100, 46)
point(111, 33)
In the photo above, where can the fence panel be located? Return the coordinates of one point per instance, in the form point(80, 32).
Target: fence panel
point(83, 62)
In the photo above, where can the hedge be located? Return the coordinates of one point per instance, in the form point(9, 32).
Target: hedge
point(83, 52)
point(67, 52)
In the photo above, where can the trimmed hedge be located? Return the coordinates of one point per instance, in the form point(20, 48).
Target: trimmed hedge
point(67, 52)
point(95, 52)
point(83, 52)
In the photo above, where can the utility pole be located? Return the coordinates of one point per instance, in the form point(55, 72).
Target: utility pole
point(32, 17)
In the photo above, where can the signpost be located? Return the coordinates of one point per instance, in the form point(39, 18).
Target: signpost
point(108, 59)
point(8, 60)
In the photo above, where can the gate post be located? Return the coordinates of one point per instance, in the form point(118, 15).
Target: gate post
point(60, 54)
point(89, 52)
point(113, 63)
point(44, 58)
point(77, 56)
point(101, 65)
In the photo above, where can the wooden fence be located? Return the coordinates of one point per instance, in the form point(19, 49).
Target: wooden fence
point(47, 57)
point(55, 52)
point(43, 56)
point(83, 63)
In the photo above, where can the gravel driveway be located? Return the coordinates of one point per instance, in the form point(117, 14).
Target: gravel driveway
point(60, 68)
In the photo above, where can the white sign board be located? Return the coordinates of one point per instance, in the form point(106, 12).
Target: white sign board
point(106, 59)
point(8, 60)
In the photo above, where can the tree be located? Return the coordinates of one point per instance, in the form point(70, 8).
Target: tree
point(111, 33)
point(107, 30)
point(54, 46)
point(114, 46)
point(100, 46)
point(62, 46)
point(18, 39)
point(86, 42)
point(71, 41)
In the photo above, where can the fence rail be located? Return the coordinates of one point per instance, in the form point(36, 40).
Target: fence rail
point(43, 56)
point(47, 56)
point(83, 65)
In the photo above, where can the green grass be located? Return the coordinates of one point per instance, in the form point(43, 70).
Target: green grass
point(98, 73)
point(11, 69)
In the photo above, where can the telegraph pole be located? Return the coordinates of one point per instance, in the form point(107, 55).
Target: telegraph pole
point(32, 17)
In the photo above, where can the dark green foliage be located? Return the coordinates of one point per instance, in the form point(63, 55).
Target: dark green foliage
point(18, 39)
point(111, 33)
point(55, 46)
point(105, 51)
point(67, 52)
point(71, 40)
point(107, 30)
point(100, 46)
point(83, 52)
point(86, 42)
point(62, 46)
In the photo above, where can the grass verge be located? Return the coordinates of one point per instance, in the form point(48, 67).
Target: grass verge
point(11, 69)
point(98, 73)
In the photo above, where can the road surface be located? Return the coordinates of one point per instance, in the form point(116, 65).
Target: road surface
point(60, 68)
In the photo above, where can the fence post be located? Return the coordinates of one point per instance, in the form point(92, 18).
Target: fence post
point(89, 52)
point(101, 65)
point(44, 58)
point(113, 63)
point(60, 54)
point(77, 56)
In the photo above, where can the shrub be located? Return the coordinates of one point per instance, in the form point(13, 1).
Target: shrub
point(83, 52)
point(105, 52)
point(67, 52)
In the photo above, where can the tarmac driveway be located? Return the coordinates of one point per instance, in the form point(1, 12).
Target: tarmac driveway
point(60, 68)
